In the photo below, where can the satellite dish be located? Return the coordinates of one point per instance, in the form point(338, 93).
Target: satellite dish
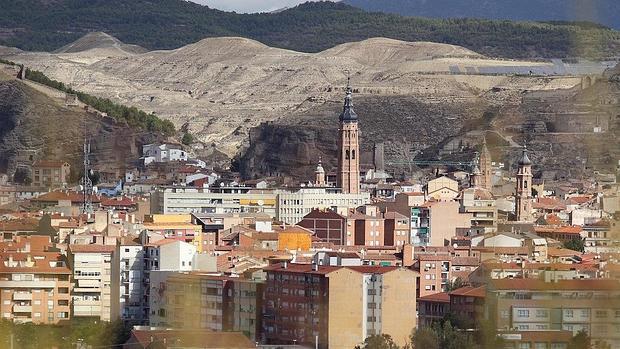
point(455, 245)
point(260, 202)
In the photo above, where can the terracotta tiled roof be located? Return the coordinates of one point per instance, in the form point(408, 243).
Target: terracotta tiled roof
point(469, 291)
point(42, 262)
point(549, 203)
point(56, 196)
point(92, 248)
point(564, 285)
point(198, 339)
point(578, 200)
point(28, 225)
point(118, 202)
point(48, 163)
point(442, 297)
point(561, 252)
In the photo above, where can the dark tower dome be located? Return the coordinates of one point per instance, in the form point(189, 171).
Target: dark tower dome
point(348, 114)
point(524, 160)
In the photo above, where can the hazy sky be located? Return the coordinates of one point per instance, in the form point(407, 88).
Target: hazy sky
point(250, 5)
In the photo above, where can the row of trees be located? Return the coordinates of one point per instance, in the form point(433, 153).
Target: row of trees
point(443, 335)
point(133, 116)
point(98, 334)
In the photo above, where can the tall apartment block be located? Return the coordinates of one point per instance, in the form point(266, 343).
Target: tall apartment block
point(337, 307)
point(95, 281)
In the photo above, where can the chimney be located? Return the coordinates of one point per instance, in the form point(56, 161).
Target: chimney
point(315, 266)
point(285, 265)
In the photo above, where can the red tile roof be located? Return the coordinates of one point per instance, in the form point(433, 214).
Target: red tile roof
point(118, 202)
point(191, 338)
point(43, 262)
point(56, 196)
point(564, 285)
point(442, 297)
point(469, 291)
point(92, 248)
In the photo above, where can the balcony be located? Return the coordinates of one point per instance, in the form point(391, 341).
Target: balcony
point(27, 284)
point(22, 296)
point(22, 308)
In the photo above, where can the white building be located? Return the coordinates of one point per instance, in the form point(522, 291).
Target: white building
point(294, 206)
point(131, 282)
point(163, 153)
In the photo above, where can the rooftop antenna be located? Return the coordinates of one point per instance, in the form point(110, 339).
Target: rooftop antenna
point(86, 182)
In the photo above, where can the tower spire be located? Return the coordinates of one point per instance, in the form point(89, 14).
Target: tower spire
point(348, 146)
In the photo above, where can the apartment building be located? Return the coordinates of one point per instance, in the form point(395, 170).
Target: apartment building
point(434, 273)
point(200, 301)
point(289, 206)
point(292, 206)
point(176, 227)
point(131, 291)
point(50, 173)
point(526, 305)
point(35, 287)
point(168, 200)
point(337, 306)
point(96, 281)
point(481, 205)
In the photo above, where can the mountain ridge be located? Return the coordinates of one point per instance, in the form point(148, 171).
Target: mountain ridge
point(311, 27)
point(603, 12)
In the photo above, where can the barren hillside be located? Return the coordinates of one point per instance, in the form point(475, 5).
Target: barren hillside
point(222, 87)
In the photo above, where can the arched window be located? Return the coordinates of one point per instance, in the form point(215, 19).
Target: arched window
point(353, 154)
point(525, 184)
point(346, 155)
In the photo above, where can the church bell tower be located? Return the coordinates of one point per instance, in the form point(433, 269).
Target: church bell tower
point(523, 197)
point(348, 148)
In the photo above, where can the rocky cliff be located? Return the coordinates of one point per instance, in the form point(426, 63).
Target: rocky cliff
point(35, 126)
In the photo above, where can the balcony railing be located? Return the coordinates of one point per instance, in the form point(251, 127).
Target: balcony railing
point(22, 308)
point(22, 296)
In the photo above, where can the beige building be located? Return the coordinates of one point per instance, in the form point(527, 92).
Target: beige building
point(96, 277)
point(50, 173)
point(34, 287)
point(442, 189)
point(444, 219)
point(338, 305)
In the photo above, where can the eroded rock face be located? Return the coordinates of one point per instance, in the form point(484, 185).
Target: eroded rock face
point(34, 126)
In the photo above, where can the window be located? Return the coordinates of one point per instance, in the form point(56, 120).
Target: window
point(568, 313)
point(37, 302)
point(37, 314)
point(6, 302)
point(540, 345)
point(601, 314)
point(542, 313)
point(523, 313)
point(505, 314)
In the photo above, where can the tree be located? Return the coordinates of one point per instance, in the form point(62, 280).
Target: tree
point(575, 244)
point(379, 341)
point(455, 284)
point(580, 341)
point(187, 138)
point(424, 338)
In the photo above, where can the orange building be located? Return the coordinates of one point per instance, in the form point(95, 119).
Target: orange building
point(295, 238)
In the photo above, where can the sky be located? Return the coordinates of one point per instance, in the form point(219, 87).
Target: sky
point(248, 6)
